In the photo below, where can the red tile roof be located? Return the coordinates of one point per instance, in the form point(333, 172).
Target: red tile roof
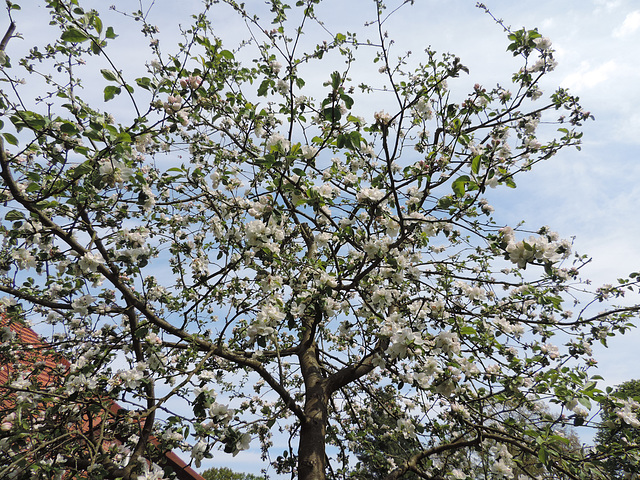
point(50, 368)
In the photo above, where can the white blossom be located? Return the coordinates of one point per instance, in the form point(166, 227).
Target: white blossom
point(192, 81)
point(133, 377)
point(382, 117)
point(198, 451)
point(326, 191)
point(370, 194)
point(502, 469)
point(81, 304)
point(423, 109)
point(448, 342)
point(242, 443)
point(153, 473)
point(629, 413)
point(275, 66)
point(278, 141)
point(282, 86)
point(535, 249)
point(173, 103)
point(23, 258)
point(543, 43)
point(90, 262)
point(308, 151)
point(116, 170)
point(221, 413)
point(406, 426)
point(458, 474)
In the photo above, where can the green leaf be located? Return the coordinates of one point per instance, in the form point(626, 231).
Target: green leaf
point(14, 215)
point(68, 128)
point(144, 82)
point(10, 139)
point(33, 120)
point(543, 456)
point(111, 91)
point(110, 33)
point(264, 87)
point(356, 139)
point(558, 438)
point(97, 23)
point(109, 75)
point(123, 137)
point(459, 185)
point(475, 164)
point(445, 202)
point(227, 54)
point(74, 35)
point(82, 169)
point(335, 80)
point(348, 101)
point(332, 114)
point(585, 401)
point(468, 331)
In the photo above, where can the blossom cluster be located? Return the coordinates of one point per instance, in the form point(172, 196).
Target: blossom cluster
point(261, 235)
point(629, 412)
point(546, 248)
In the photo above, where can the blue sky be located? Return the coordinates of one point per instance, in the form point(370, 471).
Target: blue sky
point(592, 194)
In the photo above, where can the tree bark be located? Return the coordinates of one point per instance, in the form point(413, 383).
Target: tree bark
point(311, 451)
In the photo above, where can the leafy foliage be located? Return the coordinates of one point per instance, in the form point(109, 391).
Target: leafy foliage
point(618, 432)
point(379, 440)
point(225, 473)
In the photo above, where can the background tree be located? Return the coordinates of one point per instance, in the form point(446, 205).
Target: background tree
point(618, 432)
point(318, 249)
point(225, 473)
point(375, 438)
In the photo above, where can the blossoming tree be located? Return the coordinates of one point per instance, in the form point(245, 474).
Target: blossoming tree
point(247, 250)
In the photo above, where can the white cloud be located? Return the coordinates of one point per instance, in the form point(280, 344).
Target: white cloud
point(587, 77)
point(630, 25)
point(608, 5)
point(547, 23)
point(627, 129)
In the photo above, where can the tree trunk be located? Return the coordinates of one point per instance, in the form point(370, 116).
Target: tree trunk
point(311, 451)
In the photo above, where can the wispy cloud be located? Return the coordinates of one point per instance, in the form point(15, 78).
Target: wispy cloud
point(629, 26)
point(588, 77)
